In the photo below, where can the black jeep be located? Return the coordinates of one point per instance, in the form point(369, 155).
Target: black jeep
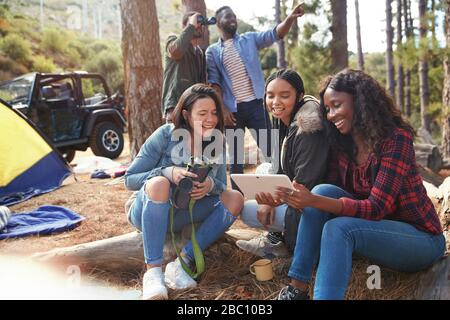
point(74, 110)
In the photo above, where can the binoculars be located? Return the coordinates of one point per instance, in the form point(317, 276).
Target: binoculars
point(205, 21)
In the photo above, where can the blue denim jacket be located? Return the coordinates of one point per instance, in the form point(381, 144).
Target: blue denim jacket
point(158, 153)
point(247, 45)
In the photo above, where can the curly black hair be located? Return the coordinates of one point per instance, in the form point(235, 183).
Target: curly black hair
point(375, 112)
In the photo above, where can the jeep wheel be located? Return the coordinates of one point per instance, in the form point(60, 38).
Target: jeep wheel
point(106, 140)
point(68, 155)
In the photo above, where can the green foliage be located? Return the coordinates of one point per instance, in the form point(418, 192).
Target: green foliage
point(312, 61)
point(4, 12)
point(436, 82)
point(108, 64)
point(54, 40)
point(374, 64)
point(73, 57)
point(311, 56)
point(6, 96)
point(268, 58)
point(78, 44)
point(15, 48)
point(41, 64)
point(88, 88)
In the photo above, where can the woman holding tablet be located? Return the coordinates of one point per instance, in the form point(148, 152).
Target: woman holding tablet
point(301, 154)
point(375, 204)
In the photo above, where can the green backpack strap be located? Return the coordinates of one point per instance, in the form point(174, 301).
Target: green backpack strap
point(198, 254)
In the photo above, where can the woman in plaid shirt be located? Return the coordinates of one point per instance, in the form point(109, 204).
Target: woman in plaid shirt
point(375, 205)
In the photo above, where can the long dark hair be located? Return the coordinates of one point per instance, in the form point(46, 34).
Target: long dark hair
point(187, 100)
point(296, 81)
point(375, 114)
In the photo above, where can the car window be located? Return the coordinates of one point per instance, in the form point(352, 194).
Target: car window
point(17, 92)
point(93, 90)
point(57, 89)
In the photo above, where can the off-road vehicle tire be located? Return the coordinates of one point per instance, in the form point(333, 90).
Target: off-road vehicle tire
point(68, 155)
point(106, 140)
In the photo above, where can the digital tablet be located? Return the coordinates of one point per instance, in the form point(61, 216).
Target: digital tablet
point(251, 184)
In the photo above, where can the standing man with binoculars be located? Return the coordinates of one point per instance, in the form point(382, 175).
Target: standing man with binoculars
point(184, 61)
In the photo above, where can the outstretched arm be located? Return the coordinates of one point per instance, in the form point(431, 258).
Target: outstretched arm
point(284, 27)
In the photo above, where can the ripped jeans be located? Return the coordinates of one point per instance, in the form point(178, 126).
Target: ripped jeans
point(152, 218)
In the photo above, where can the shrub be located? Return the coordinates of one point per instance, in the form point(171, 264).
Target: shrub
point(6, 96)
point(41, 64)
point(73, 57)
point(16, 48)
point(109, 65)
point(53, 40)
point(5, 63)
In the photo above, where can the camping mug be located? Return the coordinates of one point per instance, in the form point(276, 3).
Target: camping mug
point(262, 269)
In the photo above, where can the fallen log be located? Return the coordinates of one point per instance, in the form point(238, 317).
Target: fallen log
point(429, 156)
point(435, 283)
point(444, 209)
point(430, 176)
point(123, 253)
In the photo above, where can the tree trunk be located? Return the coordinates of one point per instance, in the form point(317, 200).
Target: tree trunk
point(446, 89)
point(41, 14)
point(339, 44)
point(409, 34)
point(428, 155)
point(390, 81)
point(85, 16)
point(408, 93)
point(200, 7)
point(358, 38)
point(143, 69)
point(400, 71)
point(281, 50)
point(294, 33)
point(434, 284)
point(434, 40)
point(423, 67)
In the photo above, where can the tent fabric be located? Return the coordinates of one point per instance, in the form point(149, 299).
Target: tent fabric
point(43, 221)
point(29, 165)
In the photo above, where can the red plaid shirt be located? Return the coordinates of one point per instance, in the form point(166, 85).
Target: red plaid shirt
point(397, 191)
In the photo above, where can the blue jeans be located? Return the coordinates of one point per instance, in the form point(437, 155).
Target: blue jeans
point(152, 218)
point(253, 116)
point(330, 241)
point(249, 216)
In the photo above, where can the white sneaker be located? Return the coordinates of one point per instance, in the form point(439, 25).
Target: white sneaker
point(262, 247)
point(153, 287)
point(176, 278)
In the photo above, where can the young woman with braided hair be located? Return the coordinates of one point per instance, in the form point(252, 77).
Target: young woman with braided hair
point(301, 154)
point(375, 204)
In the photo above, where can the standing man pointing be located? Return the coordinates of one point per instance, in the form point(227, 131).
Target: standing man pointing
point(234, 69)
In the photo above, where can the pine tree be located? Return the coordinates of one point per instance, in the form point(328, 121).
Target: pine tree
point(446, 90)
point(358, 37)
point(143, 69)
point(390, 81)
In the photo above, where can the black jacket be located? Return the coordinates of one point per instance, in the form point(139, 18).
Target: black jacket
point(303, 154)
point(303, 146)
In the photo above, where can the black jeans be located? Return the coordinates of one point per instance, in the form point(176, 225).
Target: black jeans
point(251, 115)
